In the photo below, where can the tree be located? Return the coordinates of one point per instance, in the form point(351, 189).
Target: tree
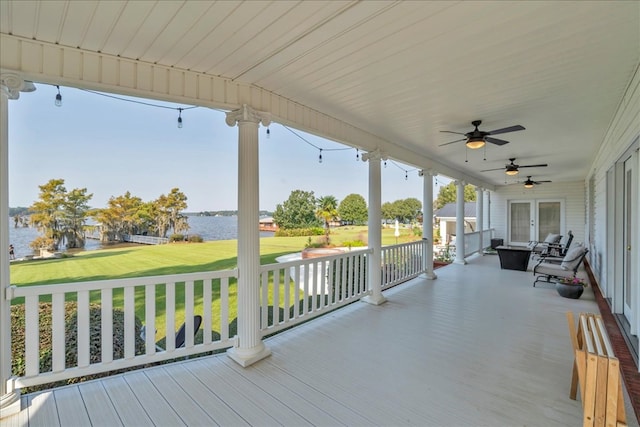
point(327, 212)
point(404, 210)
point(120, 217)
point(75, 212)
point(170, 209)
point(448, 194)
point(353, 209)
point(298, 211)
point(60, 215)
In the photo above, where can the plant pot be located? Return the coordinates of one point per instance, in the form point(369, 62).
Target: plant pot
point(569, 291)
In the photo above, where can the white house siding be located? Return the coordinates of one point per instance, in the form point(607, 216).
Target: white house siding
point(571, 193)
point(620, 139)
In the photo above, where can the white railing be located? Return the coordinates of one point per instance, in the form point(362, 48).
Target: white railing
point(472, 242)
point(290, 293)
point(206, 294)
point(295, 291)
point(402, 262)
point(145, 240)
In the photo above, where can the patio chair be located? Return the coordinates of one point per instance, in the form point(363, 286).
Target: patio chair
point(539, 247)
point(555, 252)
point(547, 271)
point(180, 335)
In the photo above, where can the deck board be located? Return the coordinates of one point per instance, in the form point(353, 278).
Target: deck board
point(478, 346)
point(129, 408)
point(99, 407)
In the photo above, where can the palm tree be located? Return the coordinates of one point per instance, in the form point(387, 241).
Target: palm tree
point(327, 211)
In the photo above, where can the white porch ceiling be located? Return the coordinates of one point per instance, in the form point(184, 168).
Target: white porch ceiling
point(403, 71)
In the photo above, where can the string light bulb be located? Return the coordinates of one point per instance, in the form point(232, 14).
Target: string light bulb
point(357, 154)
point(320, 156)
point(406, 175)
point(180, 118)
point(385, 163)
point(58, 101)
point(268, 133)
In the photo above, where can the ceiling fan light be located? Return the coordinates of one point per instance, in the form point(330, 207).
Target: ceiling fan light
point(528, 185)
point(475, 142)
point(511, 172)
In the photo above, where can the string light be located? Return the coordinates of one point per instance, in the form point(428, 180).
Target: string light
point(268, 133)
point(320, 156)
point(58, 101)
point(357, 154)
point(406, 175)
point(180, 118)
point(385, 163)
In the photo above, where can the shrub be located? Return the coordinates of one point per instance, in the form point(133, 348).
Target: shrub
point(71, 350)
point(176, 237)
point(196, 238)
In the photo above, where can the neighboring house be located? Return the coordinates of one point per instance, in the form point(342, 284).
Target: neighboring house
point(267, 224)
point(446, 216)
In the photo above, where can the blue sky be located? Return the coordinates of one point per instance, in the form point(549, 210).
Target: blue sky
point(110, 146)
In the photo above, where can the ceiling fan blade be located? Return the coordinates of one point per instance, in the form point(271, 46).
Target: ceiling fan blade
point(495, 140)
point(496, 169)
point(538, 182)
point(447, 143)
point(505, 130)
point(450, 131)
point(544, 165)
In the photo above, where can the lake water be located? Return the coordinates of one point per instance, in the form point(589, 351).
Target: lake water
point(209, 227)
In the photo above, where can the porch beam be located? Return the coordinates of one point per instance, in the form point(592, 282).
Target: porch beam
point(250, 347)
point(56, 64)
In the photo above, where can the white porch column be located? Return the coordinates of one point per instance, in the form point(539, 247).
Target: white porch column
point(489, 210)
point(480, 215)
point(427, 221)
point(375, 228)
point(10, 87)
point(249, 348)
point(460, 223)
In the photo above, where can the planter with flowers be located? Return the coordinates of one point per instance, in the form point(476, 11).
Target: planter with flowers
point(571, 287)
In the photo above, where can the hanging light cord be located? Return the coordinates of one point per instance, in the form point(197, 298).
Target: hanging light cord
point(139, 102)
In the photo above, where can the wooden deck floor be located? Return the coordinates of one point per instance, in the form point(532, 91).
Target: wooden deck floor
point(479, 346)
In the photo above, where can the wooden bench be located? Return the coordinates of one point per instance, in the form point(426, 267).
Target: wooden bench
point(597, 371)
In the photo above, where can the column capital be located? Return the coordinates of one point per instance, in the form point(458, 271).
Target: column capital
point(12, 84)
point(428, 172)
point(459, 182)
point(376, 154)
point(248, 114)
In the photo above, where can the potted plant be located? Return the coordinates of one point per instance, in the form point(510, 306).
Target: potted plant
point(571, 287)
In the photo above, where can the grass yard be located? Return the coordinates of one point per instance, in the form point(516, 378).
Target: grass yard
point(175, 258)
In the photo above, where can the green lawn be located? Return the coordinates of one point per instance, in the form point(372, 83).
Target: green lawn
point(175, 258)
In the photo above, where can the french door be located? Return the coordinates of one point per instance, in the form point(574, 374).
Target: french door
point(627, 239)
point(534, 220)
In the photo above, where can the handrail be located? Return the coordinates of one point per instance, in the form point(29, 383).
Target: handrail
point(126, 295)
point(291, 292)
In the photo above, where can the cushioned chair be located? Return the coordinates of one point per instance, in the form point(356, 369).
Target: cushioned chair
point(546, 271)
point(554, 252)
point(539, 247)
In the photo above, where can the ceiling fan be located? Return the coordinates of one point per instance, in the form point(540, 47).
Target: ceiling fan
point(477, 138)
point(512, 168)
point(529, 183)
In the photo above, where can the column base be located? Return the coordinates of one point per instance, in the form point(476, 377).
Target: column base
point(370, 299)
point(429, 275)
point(460, 261)
point(10, 404)
point(248, 356)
